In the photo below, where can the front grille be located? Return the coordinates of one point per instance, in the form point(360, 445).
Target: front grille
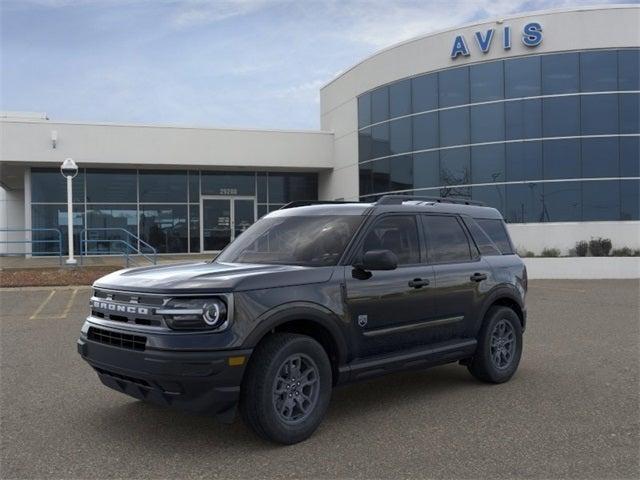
point(126, 307)
point(117, 339)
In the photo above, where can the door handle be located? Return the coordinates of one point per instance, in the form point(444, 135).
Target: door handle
point(418, 283)
point(478, 277)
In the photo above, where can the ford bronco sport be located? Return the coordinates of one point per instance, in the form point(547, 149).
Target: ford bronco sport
point(311, 296)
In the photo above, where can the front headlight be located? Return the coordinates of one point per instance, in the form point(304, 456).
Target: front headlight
point(195, 314)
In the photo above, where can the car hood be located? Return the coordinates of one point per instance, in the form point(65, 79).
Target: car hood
point(211, 277)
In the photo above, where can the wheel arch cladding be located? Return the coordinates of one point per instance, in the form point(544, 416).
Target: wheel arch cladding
point(509, 302)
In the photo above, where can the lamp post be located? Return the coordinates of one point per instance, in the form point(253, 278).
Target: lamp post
point(69, 169)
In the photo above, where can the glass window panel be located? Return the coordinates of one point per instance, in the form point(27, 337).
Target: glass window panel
point(164, 227)
point(381, 175)
point(630, 156)
point(424, 92)
point(453, 87)
point(49, 186)
point(289, 187)
point(112, 186)
point(629, 113)
point(194, 228)
point(426, 169)
point(497, 232)
point(487, 81)
point(400, 98)
point(53, 216)
point(523, 161)
point(600, 157)
point(455, 166)
point(454, 127)
point(524, 203)
point(163, 186)
point(523, 119)
point(599, 114)
point(561, 159)
point(456, 192)
point(380, 105)
point(562, 202)
point(113, 219)
point(365, 144)
point(401, 174)
point(561, 116)
point(262, 210)
point(398, 234)
point(630, 199)
point(601, 200)
point(560, 73)
point(364, 110)
point(490, 195)
point(275, 206)
point(261, 185)
point(228, 183)
point(446, 239)
point(487, 123)
point(380, 141)
point(629, 70)
point(425, 131)
point(400, 135)
point(194, 186)
point(599, 71)
point(522, 77)
point(487, 164)
point(366, 179)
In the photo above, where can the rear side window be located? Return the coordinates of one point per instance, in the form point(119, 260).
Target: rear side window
point(446, 240)
point(484, 243)
point(398, 234)
point(498, 233)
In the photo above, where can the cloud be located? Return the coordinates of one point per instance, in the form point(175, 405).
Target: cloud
point(191, 13)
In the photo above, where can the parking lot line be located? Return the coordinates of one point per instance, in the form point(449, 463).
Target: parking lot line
point(65, 312)
point(42, 305)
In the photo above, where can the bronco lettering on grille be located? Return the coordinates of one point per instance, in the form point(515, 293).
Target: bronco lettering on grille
point(116, 307)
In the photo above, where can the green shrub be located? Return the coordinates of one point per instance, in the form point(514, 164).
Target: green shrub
point(582, 248)
point(550, 252)
point(600, 247)
point(625, 252)
point(524, 253)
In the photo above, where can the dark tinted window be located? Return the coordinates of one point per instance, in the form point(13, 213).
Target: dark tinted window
point(165, 227)
point(261, 185)
point(400, 135)
point(380, 175)
point(601, 200)
point(598, 71)
point(160, 186)
point(523, 119)
point(490, 195)
point(454, 87)
point(487, 164)
point(523, 161)
point(561, 159)
point(217, 183)
point(53, 216)
point(561, 116)
point(497, 231)
point(524, 203)
point(365, 144)
point(366, 185)
point(482, 240)
point(364, 110)
point(425, 131)
point(194, 186)
point(487, 123)
point(600, 157)
point(398, 234)
point(401, 174)
point(424, 92)
point(380, 105)
point(446, 240)
point(400, 99)
point(562, 202)
point(630, 156)
point(289, 187)
point(487, 81)
point(454, 127)
point(380, 141)
point(48, 185)
point(455, 168)
point(115, 186)
point(629, 113)
point(599, 114)
point(426, 169)
point(560, 73)
point(194, 226)
point(630, 199)
point(629, 70)
point(522, 77)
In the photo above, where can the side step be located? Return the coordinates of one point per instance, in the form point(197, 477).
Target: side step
point(423, 357)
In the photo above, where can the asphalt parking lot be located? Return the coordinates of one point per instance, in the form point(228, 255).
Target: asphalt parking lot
point(571, 411)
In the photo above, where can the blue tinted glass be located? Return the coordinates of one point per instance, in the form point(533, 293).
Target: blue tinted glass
point(364, 110)
point(599, 114)
point(425, 131)
point(112, 218)
point(601, 200)
point(261, 186)
point(454, 127)
point(487, 81)
point(561, 116)
point(424, 92)
point(400, 98)
point(599, 71)
point(522, 77)
point(380, 141)
point(523, 161)
point(454, 87)
point(487, 123)
point(630, 199)
point(630, 156)
point(165, 227)
point(228, 183)
point(524, 203)
point(194, 226)
point(380, 105)
point(490, 195)
point(560, 73)
point(400, 135)
point(115, 186)
point(401, 173)
point(562, 202)
point(48, 242)
point(426, 169)
point(455, 166)
point(163, 186)
point(48, 185)
point(194, 186)
point(561, 159)
point(366, 185)
point(629, 113)
point(364, 144)
point(629, 70)
point(380, 175)
point(487, 164)
point(600, 157)
point(289, 187)
point(523, 119)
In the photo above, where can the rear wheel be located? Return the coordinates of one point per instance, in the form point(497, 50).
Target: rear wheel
point(499, 346)
point(287, 387)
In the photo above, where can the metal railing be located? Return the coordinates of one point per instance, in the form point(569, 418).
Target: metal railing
point(131, 244)
point(31, 241)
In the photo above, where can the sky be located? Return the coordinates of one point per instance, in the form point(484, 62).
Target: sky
point(225, 63)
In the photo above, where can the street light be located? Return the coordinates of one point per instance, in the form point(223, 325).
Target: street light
point(69, 169)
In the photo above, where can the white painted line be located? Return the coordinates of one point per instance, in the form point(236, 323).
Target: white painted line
point(65, 312)
point(42, 305)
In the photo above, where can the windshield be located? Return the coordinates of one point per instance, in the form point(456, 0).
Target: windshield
point(314, 240)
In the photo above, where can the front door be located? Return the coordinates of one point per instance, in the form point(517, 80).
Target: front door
point(222, 219)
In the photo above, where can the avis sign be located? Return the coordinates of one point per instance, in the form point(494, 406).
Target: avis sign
point(531, 37)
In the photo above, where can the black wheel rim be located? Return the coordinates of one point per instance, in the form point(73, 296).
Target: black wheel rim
point(503, 344)
point(296, 388)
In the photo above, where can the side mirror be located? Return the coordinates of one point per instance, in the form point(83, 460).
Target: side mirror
point(378, 260)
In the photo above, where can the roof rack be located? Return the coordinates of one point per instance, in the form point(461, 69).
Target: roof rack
point(305, 203)
point(399, 199)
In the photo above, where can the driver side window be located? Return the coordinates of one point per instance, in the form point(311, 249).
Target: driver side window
point(398, 234)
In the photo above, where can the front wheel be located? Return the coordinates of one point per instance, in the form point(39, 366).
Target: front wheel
point(499, 346)
point(287, 388)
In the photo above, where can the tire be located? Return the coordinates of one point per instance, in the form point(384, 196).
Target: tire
point(278, 406)
point(499, 346)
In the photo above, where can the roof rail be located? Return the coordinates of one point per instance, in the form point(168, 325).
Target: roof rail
point(304, 203)
point(399, 199)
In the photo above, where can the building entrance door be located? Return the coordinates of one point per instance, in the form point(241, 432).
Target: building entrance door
point(222, 219)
